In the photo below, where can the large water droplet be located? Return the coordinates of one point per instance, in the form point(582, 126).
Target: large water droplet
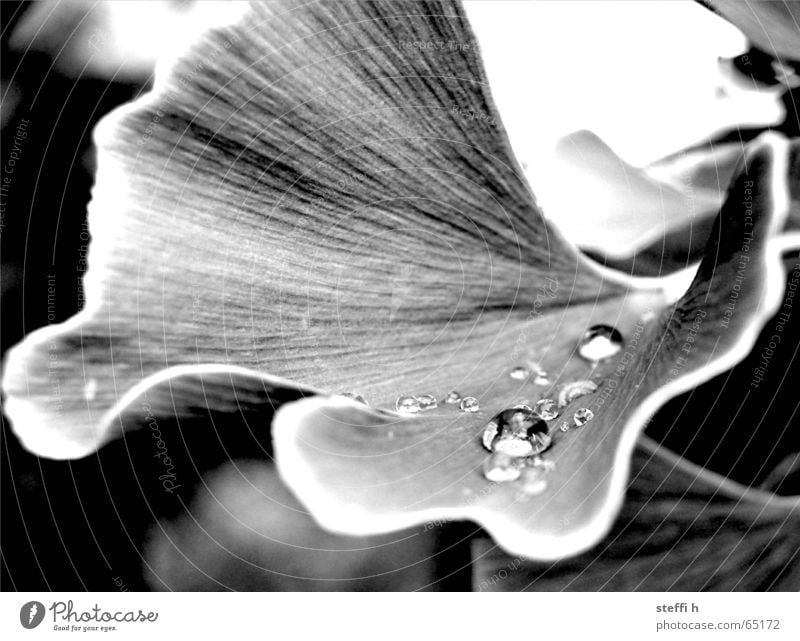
point(469, 404)
point(582, 416)
point(407, 404)
point(501, 468)
point(452, 398)
point(600, 342)
point(517, 432)
point(546, 409)
point(354, 396)
point(575, 390)
point(520, 373)
point(427, 402)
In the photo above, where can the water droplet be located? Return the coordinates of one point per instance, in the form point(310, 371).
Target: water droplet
point(501, 468)
point(582, 417)
point(541, 379)
point(356, 397)
point(564, 427)
point(469, 404)
point(452, 398)
point(547, 409)
point(427, 402)
point(574, 390)
point(520, 373)
point(532, 479)
point(517, 432)
point(545, 464)
point(407, 404)
point(599, 342)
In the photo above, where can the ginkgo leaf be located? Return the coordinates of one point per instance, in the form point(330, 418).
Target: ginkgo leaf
point(323, 198)
point(307, 194)
point(361, 471)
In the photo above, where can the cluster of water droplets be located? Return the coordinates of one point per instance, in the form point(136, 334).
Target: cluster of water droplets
point(414, 404)
point(518, 437)
point(411, 404)
point(533, 371)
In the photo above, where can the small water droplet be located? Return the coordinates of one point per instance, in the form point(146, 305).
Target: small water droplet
point(427, 402)
point(517, 432)
point(452, 398)
point(545, 464)
point(541, 379)
point(470, 404)
point(407, 404)
point(575, 390)
point(520, 373)
point(564, 427)
point(532, 479)
point(354, 396)
point(600, 342)
point(547, 409)
point(501, 468)
point(582, 417)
